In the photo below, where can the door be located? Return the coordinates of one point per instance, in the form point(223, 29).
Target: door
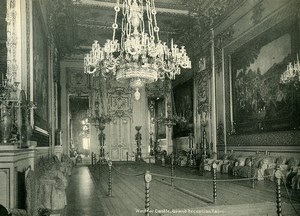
point(119, 139)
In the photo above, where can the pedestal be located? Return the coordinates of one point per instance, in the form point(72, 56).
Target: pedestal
point(13, 165)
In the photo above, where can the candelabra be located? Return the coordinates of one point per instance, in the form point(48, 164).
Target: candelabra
point(191, 161)
point(99, 122)
point(9, 101)
point(138, 139)
point(14, 123)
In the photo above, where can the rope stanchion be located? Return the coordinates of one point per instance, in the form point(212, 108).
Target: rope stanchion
point(206, 180)
point(127, 174)
point(148, 178)
point(278, 176)
point(214, 167)
point(172, 170)
point(252, 172)
point(109, 179)
point(92, 158)
point(127, 157)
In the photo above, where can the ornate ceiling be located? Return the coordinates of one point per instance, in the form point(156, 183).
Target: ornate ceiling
point(94, 19)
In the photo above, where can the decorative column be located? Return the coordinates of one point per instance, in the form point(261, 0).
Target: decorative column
point(138, 139)
point(213, 96)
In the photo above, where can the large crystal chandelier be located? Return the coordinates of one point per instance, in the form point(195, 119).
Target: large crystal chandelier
point(139, 56)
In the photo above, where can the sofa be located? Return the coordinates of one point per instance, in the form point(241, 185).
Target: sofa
point(263, 167)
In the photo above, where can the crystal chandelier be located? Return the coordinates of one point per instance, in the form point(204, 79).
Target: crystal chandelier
point(139, 56)
point(292, 73)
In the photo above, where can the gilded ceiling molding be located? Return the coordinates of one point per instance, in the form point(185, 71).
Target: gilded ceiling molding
point(257, 13)
point(11, 43)
point(105, 4)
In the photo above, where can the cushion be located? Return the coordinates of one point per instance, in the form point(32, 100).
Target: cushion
point(280, 160)
point(248, 162)
point(292, 162)
point(241, 161)
point(224, 157)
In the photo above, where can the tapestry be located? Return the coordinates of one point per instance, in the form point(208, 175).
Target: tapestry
point(40, 69)
point(260, 101)
point(183, 100)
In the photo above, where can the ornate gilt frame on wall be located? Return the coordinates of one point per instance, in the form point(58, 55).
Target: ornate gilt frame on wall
point(243, 134)
point(41, 61)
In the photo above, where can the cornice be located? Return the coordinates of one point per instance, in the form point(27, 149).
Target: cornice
point(160, 7)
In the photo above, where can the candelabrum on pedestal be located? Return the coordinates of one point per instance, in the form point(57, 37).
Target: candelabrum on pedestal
point(151, 144)
point(101, 138)
point(14, 114)
point(191, 160)
point(138, 139)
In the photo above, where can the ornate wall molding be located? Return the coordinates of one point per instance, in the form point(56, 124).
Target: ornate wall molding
point(290, 10)
point(120, 103)
point(78, 82)
point(155, 89)
point(11, 43)
point(202, 80)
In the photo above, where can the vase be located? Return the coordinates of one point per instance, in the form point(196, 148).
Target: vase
point(5, 124)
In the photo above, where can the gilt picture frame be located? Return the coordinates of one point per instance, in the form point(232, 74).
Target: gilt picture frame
point(260, 101)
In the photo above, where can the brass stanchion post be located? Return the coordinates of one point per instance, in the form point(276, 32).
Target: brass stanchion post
point(109, 178)
point(214, 166)
point(278, 176)
point(172, 170)
point(252, 172)
point(148, 178)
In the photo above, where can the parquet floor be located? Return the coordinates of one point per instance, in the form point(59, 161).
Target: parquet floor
point(88, 188)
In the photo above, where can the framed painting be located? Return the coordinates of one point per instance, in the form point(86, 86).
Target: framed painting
point(160, 113)
point(261, 102)
point(183, 100)
point(40, 69)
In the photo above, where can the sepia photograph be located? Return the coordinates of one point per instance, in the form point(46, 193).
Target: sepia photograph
point(149, 107)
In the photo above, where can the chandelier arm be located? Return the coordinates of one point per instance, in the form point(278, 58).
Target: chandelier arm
point(142, 26)
point(149, 16)
point(115, 25)
point(122, 35)
point(156, 28)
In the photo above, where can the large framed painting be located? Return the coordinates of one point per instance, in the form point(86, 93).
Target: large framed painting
point(183, 100)
point(160, 113)
point(40, 69)
point(261, 101)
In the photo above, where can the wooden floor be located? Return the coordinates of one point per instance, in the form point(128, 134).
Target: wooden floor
point(87, 193)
